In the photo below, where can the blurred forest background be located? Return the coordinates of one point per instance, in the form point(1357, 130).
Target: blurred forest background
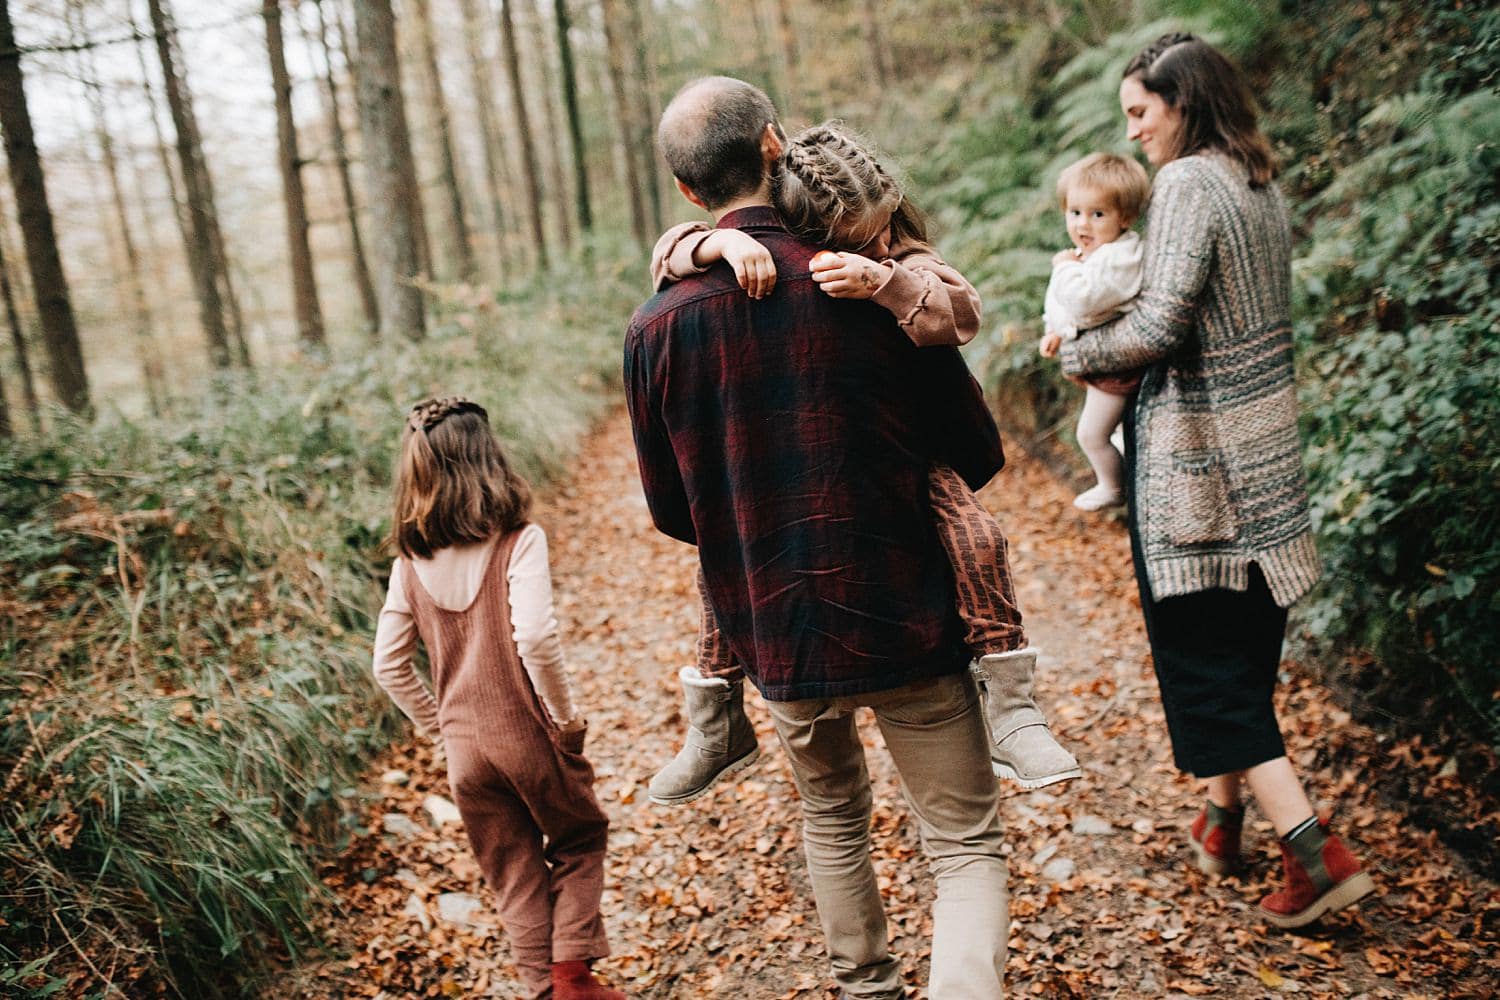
point(208, 214)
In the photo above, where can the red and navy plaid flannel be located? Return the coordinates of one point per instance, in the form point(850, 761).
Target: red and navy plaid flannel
point(790, 439)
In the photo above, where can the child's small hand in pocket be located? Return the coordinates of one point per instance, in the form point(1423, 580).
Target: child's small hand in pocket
point(572, 738)
point(846, 275)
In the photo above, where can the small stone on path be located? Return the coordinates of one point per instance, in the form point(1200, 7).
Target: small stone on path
point(1059, 870)
point(399, 825)
point(1085, 825)
point(395, 778)
point(441, 810)
point(417, 910)
point(462, 908)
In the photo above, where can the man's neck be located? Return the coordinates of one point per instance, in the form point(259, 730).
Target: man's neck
point(760, 198)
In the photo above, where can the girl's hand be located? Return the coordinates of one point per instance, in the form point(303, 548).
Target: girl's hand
point(846, 275)
point(1070, 256)
point(752, 263)
point(1050, 345)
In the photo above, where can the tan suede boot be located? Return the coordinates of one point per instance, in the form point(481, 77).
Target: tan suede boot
point(1022, 748)
point(720, 740)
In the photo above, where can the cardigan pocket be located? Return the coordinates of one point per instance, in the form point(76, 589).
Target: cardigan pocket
point(1198, 509)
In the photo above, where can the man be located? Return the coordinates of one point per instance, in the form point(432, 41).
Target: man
point(790, 437)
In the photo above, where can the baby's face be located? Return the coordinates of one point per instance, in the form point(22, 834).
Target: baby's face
point(1092, 219)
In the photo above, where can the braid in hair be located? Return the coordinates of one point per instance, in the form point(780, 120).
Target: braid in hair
point(832, 190)
point(1147, 57)
point(430, 412)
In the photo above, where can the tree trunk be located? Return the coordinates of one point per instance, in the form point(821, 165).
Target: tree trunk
point(412, 199)
point(529, 169)
point(458, 228)
point(794, 89)
point(615, 50)
point(145, 339)
point(49, 284)
point(880, 59)
point(304, 288)
point(358, 261)
point(556, 152)
point(647, 111)
point(18, 342)
point(202, 260)
point(575, 122)
point(489, 136)
point(388, 169)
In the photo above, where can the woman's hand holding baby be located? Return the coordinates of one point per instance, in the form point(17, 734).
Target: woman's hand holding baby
point(1050, 345)
point(846, 275)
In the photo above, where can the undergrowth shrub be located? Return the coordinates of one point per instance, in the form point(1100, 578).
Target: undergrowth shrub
point(188, 604)
point(1384, 116)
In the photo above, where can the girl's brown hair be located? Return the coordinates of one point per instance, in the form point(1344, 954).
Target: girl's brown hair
point(453, 484)
point(1217, 108)
point(831, 189)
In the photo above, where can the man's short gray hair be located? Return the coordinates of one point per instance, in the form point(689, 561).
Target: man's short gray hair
point(710, 137)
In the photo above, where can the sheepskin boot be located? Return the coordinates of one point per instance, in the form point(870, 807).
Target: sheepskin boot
point(1022, 748)
point(720, 739)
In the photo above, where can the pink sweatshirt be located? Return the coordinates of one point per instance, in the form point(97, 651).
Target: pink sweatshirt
point(932, 302)
point(452, 576)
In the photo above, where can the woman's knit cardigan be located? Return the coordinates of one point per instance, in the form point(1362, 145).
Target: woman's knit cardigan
point(1218, 472)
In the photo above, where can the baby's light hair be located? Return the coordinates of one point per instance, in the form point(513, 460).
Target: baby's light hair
point(1119, 178)
point(832, 190)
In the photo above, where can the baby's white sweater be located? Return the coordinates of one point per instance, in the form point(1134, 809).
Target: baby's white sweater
point(1088, 293)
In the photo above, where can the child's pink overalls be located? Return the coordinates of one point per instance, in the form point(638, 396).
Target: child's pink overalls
point(527, 803)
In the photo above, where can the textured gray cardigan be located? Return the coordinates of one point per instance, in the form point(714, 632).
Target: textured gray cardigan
point(1218, 479)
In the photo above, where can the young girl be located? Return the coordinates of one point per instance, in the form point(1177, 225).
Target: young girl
point(831, 190)
point(471, 581)
point(1102, 195)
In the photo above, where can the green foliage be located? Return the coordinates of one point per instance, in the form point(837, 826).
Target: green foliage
point(1397, 309)
point(1398, 326)
point(185, 694)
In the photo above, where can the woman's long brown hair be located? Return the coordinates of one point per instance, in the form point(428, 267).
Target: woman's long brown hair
point(1217, 108)
point(453, 484)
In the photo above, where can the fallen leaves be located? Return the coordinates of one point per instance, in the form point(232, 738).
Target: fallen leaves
point(711, 899)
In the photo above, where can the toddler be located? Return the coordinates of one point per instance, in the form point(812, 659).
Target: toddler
point(831, 190)
point(1102, 196)
point(471, 581)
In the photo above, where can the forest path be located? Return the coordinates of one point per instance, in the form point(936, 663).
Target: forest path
point(711, 899)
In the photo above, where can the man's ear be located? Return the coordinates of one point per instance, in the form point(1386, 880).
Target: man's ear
point(687, 193)
point(771, 143)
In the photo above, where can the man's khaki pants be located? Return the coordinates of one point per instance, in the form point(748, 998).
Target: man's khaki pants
point(935, 733)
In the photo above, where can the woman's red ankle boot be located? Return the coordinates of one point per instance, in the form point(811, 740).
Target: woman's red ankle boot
point(1215, 836)
point(1322, 875)
point(574, 981)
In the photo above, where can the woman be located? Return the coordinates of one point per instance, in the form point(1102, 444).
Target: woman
point(1219, 523)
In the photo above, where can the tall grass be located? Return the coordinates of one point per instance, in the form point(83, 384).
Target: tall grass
point(185, 694)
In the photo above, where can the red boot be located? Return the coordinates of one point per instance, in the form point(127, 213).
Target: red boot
point(1215, 836)
point(574, 981)
point(1322, 875)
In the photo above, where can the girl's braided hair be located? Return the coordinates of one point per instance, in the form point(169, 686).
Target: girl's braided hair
point(453, 483)
point(831, 189)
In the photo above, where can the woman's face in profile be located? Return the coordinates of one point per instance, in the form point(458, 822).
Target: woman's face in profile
point(1149, 120)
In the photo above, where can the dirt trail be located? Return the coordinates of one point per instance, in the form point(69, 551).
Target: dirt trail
point(711, 899)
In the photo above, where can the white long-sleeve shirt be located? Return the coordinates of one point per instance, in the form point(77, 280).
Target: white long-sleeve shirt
point(1088, 293)
point(452, 577)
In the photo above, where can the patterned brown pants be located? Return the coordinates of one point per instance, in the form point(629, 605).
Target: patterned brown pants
point(979, 554)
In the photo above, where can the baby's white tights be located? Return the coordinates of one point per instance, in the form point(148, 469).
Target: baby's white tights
point(1102, 413)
